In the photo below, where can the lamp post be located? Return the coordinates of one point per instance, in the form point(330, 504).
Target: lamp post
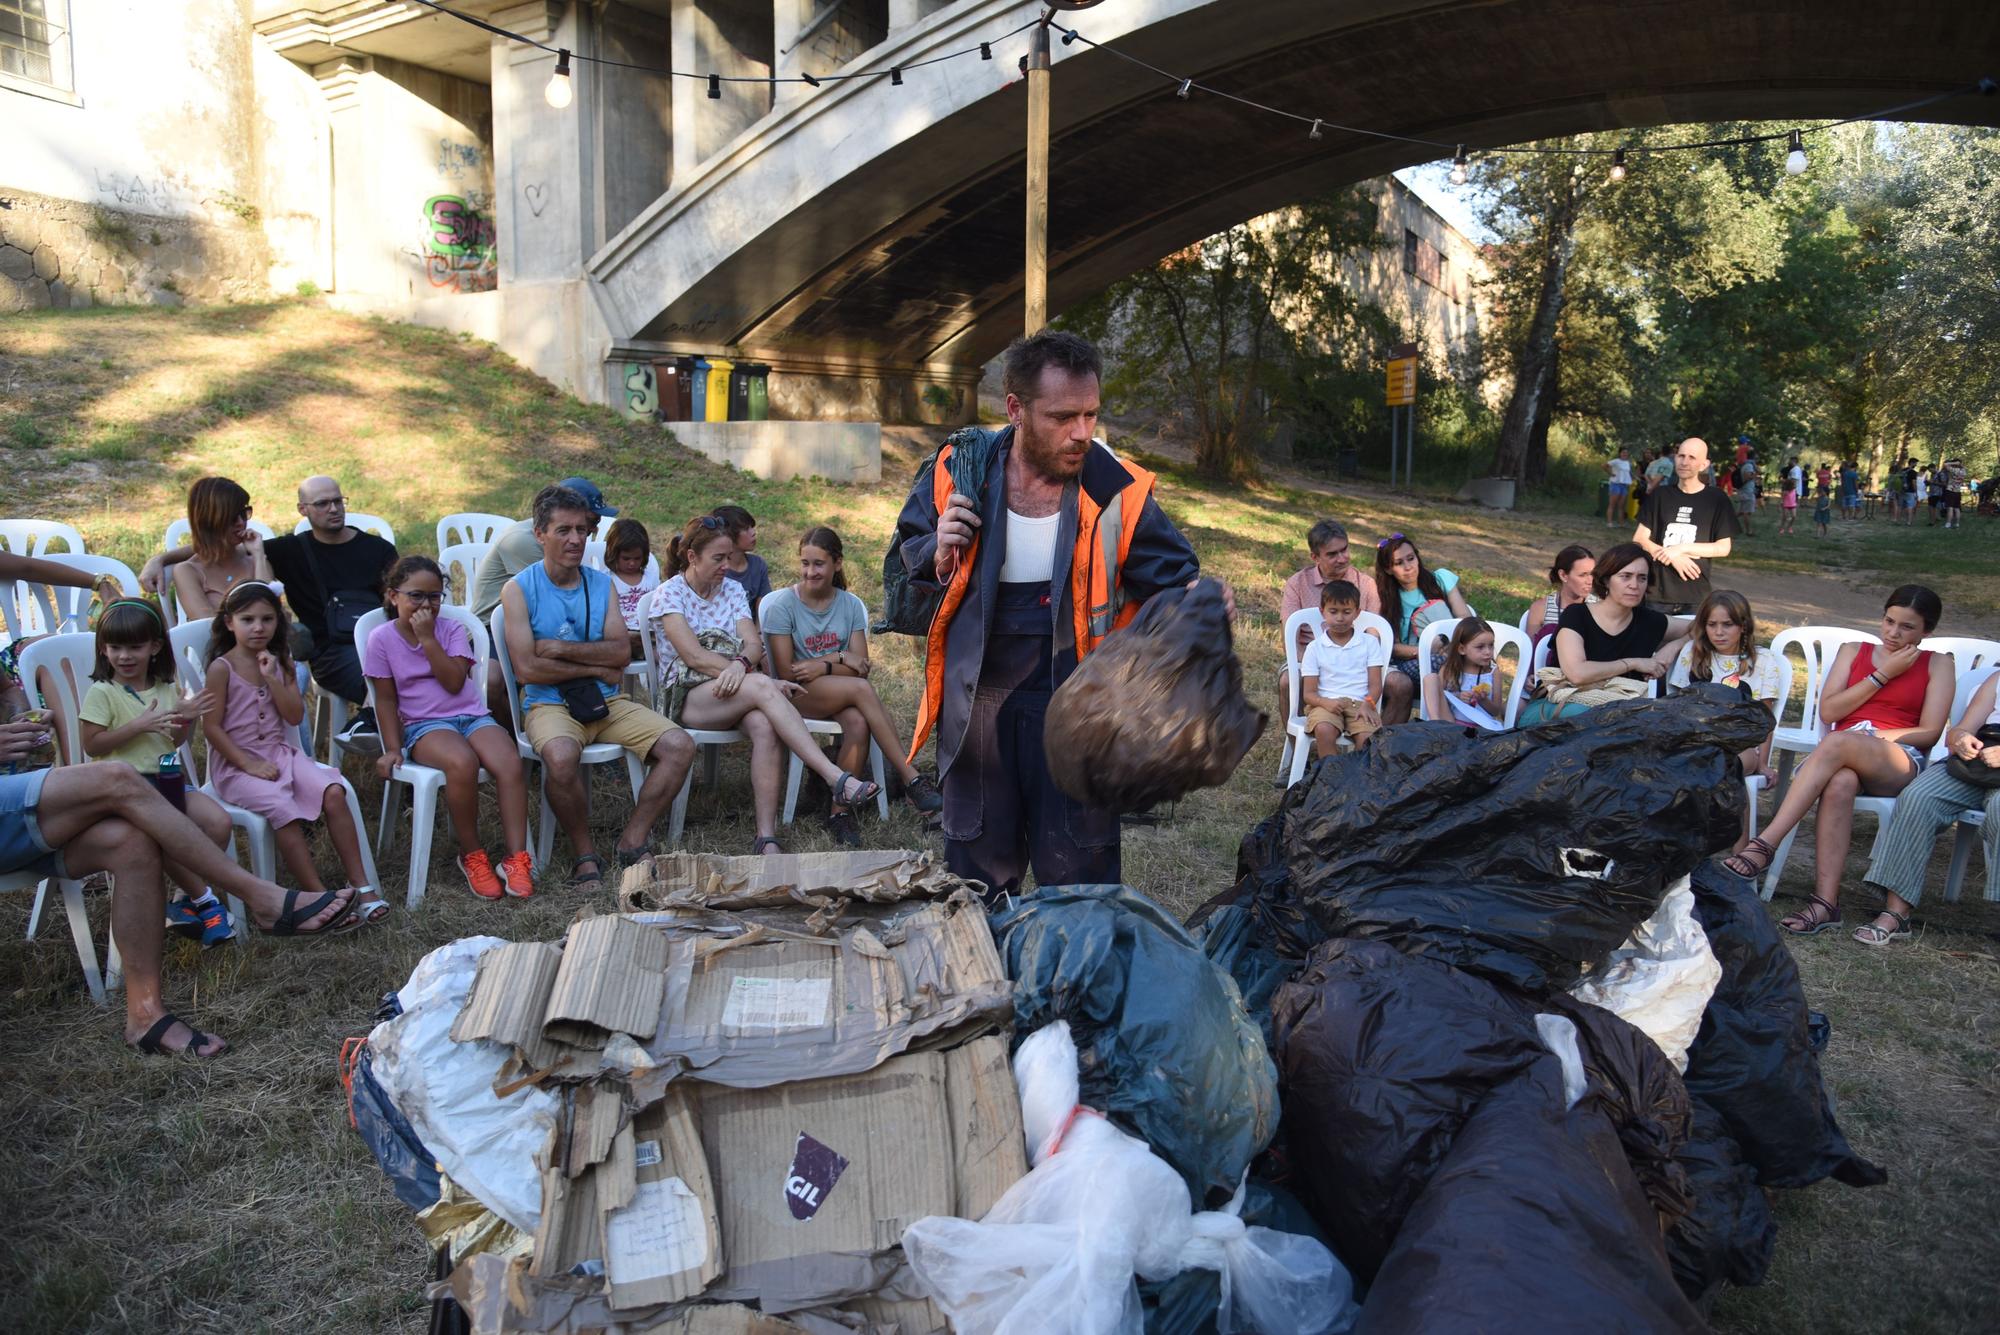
point(1035, 270)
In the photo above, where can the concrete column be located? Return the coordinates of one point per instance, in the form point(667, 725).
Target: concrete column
point(543, 159)
point(716, 37)
point(352, 267)
point(905, 14)
point(788, 20)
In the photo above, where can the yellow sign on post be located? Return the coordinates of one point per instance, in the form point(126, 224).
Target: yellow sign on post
point(1402, 382)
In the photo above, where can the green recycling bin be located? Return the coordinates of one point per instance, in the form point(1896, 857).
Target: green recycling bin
point(760, 392)
point(718, 389)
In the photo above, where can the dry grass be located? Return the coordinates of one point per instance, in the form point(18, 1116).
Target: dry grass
point(231, 1196)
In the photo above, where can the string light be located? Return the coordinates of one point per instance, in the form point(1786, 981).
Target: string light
point(896, 76)
point(559, 92)
point(986, 50)
point(1618, 165)
point(715, 86)
point(1314, 132)
point(1069, 36)
point(809, 79)
point(1186, 84)
point(1458, 166)
point(1795, 158)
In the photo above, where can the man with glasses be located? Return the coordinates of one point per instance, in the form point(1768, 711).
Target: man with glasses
point(332, 575)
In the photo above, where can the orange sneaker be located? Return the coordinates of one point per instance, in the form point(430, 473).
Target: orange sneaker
point(519, 871)
point(478, 869)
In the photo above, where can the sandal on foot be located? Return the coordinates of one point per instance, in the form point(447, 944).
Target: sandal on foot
point(1817, 916)
point(374, 909)
point(293, 914)
point(841, 825)
point(852, 792)
point(630, 856)
point(1871, 935)
point(150, 1044)
point(578, 880)
point(758, 845)
point(1752, 861)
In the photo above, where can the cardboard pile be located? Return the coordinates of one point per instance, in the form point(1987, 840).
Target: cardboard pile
point(765, 1077)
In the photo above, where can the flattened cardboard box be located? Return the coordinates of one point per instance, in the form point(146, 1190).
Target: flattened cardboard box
point(703, 880)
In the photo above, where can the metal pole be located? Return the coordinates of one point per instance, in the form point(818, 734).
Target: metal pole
point(1035, 275)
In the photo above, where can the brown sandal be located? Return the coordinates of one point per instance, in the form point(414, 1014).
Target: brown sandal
point(1752, 862)
point(1817, 916)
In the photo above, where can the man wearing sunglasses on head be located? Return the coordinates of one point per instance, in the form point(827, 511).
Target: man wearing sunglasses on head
point(332, 573)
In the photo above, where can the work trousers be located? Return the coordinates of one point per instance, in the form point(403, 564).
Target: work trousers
point(1003, 814)
point(1931, 803)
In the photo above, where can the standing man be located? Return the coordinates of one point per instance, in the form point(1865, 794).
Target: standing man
point(1620, 472)
point(332, 575)
point(567, 641)
point(1057, 549)
point(1660, 472)
point(1683, 527)
point(1955, 478)
point(1746, 494)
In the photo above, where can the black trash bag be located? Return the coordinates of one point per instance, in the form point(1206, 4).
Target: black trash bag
point(1163, 1042)
point(1232, 940)
point(1383, 1057)
point(1157, 710)
point(1532, 1224)
point(1753, 1060)
point(1523, 856)
point(1729, 1235)
point(1636, 1086)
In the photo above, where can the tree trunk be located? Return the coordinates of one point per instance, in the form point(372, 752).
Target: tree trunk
point(1535, 470)
point(1534, 374)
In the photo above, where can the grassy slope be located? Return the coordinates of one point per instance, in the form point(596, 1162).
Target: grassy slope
point(231, 1196)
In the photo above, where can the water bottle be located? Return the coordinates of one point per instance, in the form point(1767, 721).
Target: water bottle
point(171, 781)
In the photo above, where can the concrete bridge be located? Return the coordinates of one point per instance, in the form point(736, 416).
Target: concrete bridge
point(865, 237)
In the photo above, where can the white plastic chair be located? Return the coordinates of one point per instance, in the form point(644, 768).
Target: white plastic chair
point(819, 727)
point(1878, 807)
point(461, 557)
point(424, 782)
point(68, 607)
point(708, 741)
point(375, 524)
point(598, 753)
point(1434, 637)
point(33, 537)
point(1753, 784)
point(181, 534)
point(1968, 653)
point(470, 526)
point(190, 644)
point(61, 656)
point(1817, 646)
point(1298, 741)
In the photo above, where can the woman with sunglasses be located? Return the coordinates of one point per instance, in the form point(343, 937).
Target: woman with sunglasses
point(1422, 595)
point(227, 551)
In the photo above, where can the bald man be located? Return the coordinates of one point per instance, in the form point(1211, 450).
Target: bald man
point(1683, 527)
point(332, 575)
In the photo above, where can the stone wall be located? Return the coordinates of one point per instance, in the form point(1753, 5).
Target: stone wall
point(60, 253)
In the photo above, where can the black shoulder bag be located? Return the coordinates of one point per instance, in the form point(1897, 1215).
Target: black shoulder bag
point(341, 609)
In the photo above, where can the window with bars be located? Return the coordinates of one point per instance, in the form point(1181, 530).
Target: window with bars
point(34, 42)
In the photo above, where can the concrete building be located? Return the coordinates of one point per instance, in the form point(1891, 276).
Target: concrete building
point(860, 234)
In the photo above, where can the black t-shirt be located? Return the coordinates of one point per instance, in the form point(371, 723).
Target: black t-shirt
point(358, 563)
point(1641, 639)
point(1676, 518)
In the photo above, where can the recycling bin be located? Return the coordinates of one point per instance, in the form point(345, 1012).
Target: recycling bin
point(759, 392)
point(739, 393)
point(675, 378)
point(698, 391)
point(716, 409)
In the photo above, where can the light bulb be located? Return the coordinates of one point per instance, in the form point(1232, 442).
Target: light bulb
point(1618, 165)
point(1795, 160)
point(559, 92)
point(1458, 166)
point(1314, 134)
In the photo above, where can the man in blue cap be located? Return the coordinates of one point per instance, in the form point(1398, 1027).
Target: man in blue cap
point(514, 549)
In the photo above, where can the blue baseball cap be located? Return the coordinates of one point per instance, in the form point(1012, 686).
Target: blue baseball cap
point(587, 489)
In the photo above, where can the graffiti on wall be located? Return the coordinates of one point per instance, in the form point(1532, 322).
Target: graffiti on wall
point(642, 395)
point(458, 252)
point(458, 160)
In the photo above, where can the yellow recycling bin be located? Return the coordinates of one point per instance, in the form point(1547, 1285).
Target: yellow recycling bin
point(717, 407)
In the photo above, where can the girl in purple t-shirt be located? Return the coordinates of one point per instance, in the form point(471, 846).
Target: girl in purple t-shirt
point(431, 708)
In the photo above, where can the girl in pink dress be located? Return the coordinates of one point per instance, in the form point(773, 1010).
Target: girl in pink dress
point(251, 729)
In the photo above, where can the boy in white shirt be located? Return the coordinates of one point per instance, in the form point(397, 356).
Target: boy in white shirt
point(1340, 676)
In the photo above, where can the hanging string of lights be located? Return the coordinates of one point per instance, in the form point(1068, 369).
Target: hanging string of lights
point(559, 94)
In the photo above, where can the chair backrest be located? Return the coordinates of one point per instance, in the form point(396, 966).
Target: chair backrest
point(604, 523)
point(593, 556)
point(70, 606)
point(67, 661)
point(34, 537)
point(506, 662)
point(1816, 645)
point(377, 618)
point(181, 534)
point(375, 524)
point(1432, 639)
point(1968, 652)
point(470, 526)
point(1522, 624)
point(461, 557)
point(10, 609)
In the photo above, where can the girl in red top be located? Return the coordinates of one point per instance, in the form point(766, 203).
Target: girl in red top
point(1884, 708)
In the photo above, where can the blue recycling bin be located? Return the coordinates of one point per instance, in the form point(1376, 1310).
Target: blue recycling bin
point(698, 407)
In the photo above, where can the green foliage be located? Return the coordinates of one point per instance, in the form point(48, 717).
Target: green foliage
point(307, 288)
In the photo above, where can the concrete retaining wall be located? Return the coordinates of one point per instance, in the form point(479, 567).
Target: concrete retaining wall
point(60, 253)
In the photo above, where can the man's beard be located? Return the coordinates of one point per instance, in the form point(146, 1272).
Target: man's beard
point(1048, 458)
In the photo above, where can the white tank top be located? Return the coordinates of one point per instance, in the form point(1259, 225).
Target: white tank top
point(1031, 549)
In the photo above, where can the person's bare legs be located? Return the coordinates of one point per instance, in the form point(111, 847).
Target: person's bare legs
point(671, 756)
point(295, 848)
point(443, 749)
point(1398, 691)
point(1832, 830)
point(77, 797)
point(705, 710)
point(1326, 739)
point(767, 771)
point(496, 752)
point(856, 694)
point(562, 783)
point(852, 753)
point(208, 814)
point(497, 703)
point(346, 836)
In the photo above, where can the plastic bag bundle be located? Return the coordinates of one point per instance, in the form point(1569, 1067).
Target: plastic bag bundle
point(1661, 978)
point(1529, 856)
point(1531, 1224)
point(1729, 1234)
point(1754, 1060)
point(1157, 710)
point(1058, 1253)
point(1167, 1048)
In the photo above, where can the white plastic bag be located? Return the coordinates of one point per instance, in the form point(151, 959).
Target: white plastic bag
point(485, 1144)
point(1660, 980)
point(1057, 1253)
